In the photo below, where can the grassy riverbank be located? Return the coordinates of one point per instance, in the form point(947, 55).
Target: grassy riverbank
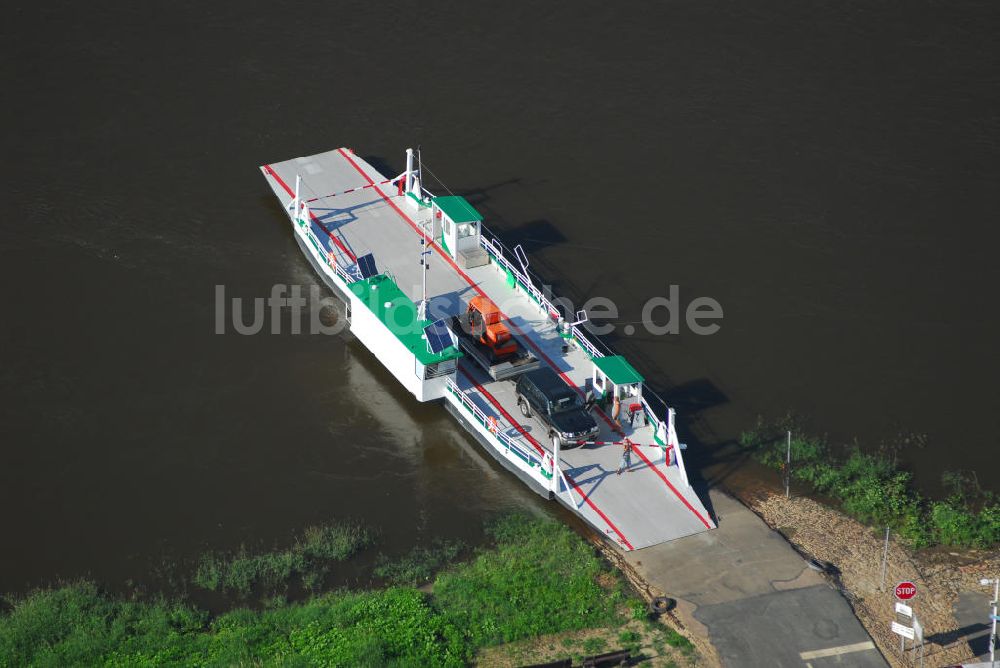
point(875, 489)
point(537, 578)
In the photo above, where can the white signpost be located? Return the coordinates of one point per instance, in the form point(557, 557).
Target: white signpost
point(916, 632)
point(901, 630)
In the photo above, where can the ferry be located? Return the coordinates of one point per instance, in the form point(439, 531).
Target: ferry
point(456, 317)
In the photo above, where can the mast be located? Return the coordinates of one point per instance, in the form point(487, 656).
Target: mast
point(425, 250)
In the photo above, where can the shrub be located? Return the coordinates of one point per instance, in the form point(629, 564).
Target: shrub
point(988, 533)
point(953, 524)
point(872, 488)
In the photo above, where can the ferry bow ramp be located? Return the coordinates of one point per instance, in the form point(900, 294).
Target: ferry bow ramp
point(554, 406)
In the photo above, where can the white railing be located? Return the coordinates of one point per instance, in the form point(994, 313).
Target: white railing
point(530, 457)
point(654, 420)
point(585, 343)
point(496, 252)
point(340, 272)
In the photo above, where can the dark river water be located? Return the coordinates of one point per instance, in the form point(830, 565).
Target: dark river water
point(826, 171)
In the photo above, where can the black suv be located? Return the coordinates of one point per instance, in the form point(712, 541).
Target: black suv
point(543, 394)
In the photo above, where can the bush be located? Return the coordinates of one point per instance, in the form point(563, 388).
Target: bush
point(953, 525)
point(988, 533)
point(872, 488)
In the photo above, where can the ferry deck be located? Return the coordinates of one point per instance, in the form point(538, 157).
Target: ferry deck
point(354, 210)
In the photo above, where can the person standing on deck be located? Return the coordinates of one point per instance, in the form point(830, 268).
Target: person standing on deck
point(626, 462)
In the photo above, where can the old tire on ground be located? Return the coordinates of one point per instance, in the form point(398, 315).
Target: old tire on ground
point(661, 604)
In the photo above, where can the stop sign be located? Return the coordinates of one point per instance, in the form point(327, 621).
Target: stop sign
point(905, 591)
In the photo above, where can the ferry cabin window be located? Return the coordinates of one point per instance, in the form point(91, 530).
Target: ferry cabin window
point(447, 226)
point(466, 230)
point(599, 383)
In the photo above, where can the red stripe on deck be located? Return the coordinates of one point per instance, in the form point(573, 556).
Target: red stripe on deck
point(541, 450)
point(524, 336)
point(657, 471)
point(291, 193)
point(672, 488)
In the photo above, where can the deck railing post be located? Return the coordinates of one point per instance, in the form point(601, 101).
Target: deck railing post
point(409, 170)
point(293, 206)
point(554, 483)
point(672, 440)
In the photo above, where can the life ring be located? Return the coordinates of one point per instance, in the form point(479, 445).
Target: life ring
point(547, 465)
point(491, 424)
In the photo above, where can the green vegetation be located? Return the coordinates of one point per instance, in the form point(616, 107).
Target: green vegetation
point(873, 488)
point(638, 610)
point(630, 640)
point(675, 639)
point(419, 565)
point(77, 626)
point(539, 578)
point(308, 557)
point(595, 645)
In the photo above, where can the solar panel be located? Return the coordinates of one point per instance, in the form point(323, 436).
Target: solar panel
point(438, 336)
point(366, 265)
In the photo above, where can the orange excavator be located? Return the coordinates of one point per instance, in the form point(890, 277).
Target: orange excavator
point(485, 337)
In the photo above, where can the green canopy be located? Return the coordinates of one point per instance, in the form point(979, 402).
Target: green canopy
point(618, 370)
point(457, 208)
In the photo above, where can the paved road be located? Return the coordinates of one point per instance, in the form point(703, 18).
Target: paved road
point(799, 627)
point(754, 596)
point(971, 613)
